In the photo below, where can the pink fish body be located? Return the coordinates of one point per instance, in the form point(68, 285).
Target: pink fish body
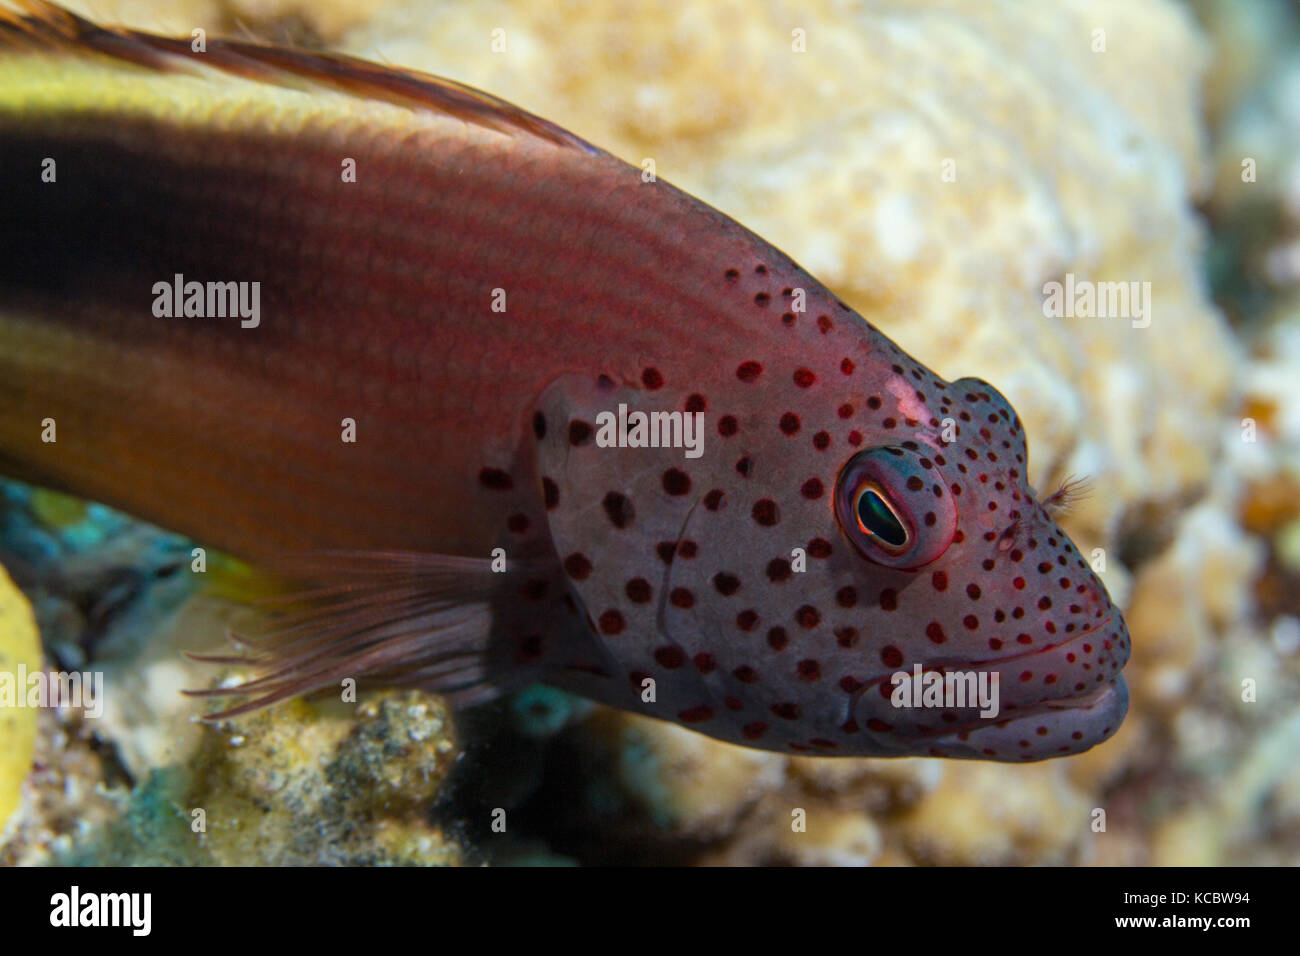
point(806, 513)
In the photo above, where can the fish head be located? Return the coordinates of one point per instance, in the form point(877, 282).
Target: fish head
point(988, 594)
point(837, 533)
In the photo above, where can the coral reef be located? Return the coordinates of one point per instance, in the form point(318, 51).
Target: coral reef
point(304, 785)
point(20, 652)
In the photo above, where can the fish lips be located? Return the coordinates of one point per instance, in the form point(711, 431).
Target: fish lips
point(1053, 728)
point(1023, 730)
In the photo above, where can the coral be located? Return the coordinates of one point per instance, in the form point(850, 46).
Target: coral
point(20, 651)
point(303, 784)
point(73, 790)
point(685, 783)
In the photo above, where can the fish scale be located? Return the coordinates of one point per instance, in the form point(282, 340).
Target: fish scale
point(852, 515)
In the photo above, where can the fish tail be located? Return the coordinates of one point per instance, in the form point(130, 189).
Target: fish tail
point(382, 619)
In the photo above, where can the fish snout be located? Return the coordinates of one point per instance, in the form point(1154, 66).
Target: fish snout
point(1055, 728)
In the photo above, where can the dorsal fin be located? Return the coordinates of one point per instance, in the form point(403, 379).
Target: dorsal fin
point(41, 26)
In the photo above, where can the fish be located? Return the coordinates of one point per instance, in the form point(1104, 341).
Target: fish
point(514, 412)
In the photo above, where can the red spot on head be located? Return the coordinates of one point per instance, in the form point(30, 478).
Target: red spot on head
point(577, 566)
point(652, 379)
point(618, 508)
point(611, 622)
point(495, 479)
point(728, 426)
point(682, 598)
point(579, 432)
point(789, 423)
point(695, 715)
point(670, 656)
point(804, 378)
point(766, 512)
point(891, 656)
point(676, 482)
point(808, 616)
point(748, 371)
point(846, 366)
point(778, 569)
point(726, 584)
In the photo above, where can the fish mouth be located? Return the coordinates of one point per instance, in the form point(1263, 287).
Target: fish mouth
point(1051, 728)
point(1035, 730)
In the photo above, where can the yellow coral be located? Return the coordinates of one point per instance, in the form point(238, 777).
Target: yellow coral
point(20, 646)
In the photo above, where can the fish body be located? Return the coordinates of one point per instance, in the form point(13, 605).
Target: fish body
point(460, 309)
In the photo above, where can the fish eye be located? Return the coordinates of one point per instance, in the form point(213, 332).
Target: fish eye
point(895, 506)
point(876, 517)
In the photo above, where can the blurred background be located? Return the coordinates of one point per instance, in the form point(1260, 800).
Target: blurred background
point(935, 163)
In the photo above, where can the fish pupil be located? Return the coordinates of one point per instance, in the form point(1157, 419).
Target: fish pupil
point(878, 519)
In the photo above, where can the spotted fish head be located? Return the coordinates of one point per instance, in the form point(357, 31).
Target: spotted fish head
point(981, 588)
point(863, 571)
